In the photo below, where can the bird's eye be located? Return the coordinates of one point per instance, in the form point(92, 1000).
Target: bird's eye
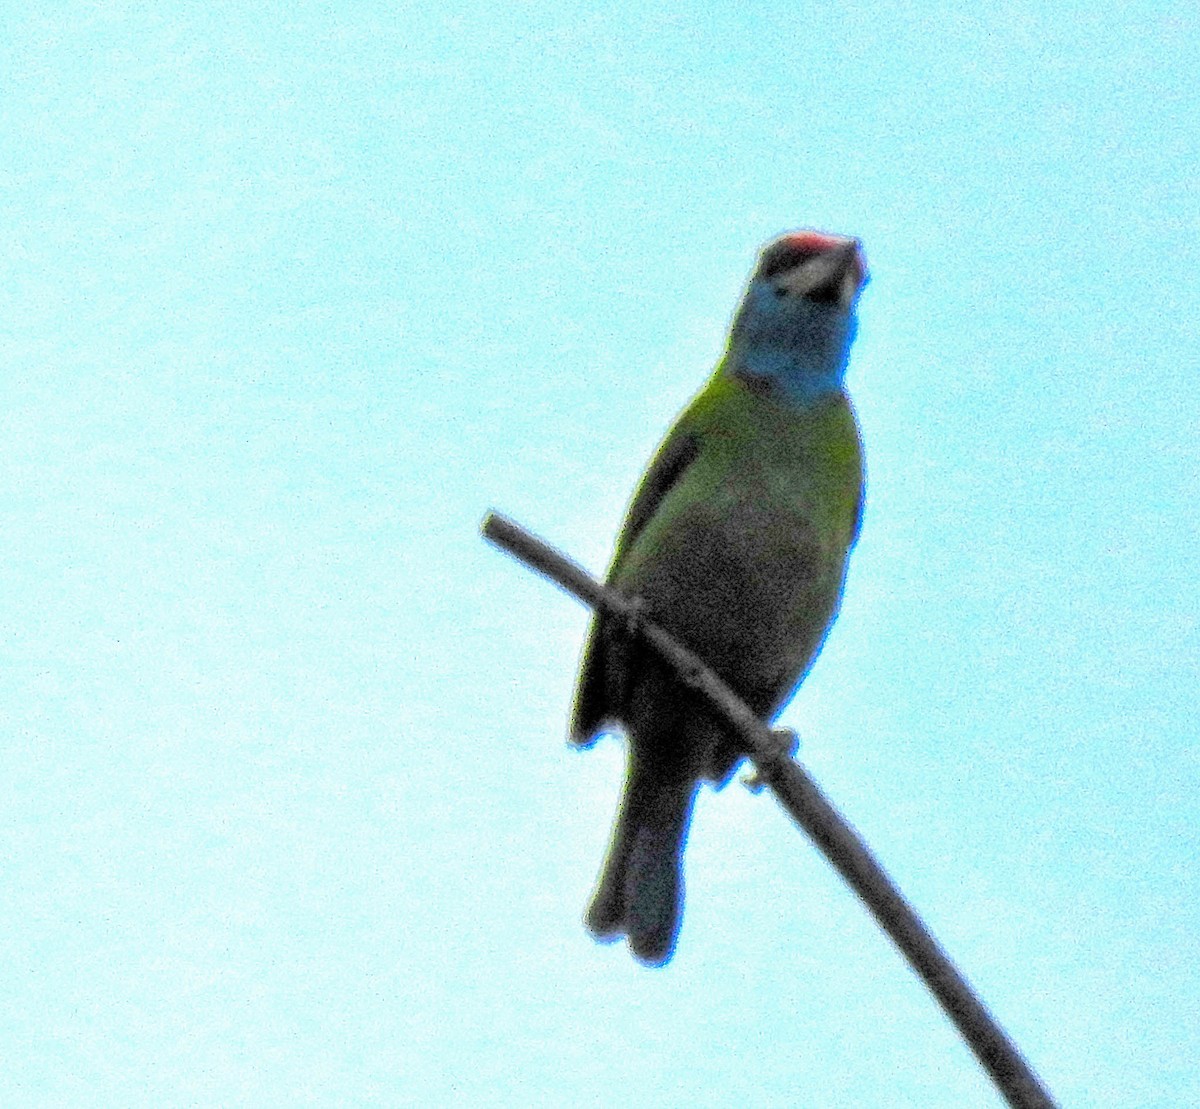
point(780, 291)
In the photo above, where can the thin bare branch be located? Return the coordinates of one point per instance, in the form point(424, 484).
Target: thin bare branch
point(809, 807)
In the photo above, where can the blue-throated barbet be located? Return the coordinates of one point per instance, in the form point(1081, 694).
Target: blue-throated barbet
point(736, 542)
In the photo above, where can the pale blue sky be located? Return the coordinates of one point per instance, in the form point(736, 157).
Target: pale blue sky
point(289, 297)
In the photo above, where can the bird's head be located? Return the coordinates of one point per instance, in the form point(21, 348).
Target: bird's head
point(796, 322)
point(813, 266)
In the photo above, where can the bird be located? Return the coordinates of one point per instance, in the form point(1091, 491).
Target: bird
point(736, 542)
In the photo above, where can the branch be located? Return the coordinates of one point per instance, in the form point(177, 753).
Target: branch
point(809, 807)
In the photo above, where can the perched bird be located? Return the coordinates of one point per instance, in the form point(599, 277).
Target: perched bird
point(736, 543)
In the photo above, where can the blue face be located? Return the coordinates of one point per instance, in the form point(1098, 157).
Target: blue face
point(792, 345)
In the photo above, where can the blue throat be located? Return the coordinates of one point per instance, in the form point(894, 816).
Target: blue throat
point(795, 351)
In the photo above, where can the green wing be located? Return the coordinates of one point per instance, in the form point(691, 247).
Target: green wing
point(668, 467)
point(599, 670)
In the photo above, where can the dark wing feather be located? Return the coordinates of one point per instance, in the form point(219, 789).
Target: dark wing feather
point(597, 676)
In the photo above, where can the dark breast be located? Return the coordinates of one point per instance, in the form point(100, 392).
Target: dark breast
point(751, 588)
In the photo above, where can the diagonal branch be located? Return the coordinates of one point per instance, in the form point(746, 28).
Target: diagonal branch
point(809, 807)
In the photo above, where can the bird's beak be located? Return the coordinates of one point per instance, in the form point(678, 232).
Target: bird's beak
point(833, 275)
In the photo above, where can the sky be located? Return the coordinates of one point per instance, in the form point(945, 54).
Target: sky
point(292, 294)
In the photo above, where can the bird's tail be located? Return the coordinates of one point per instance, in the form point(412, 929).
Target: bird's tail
point(640, 893)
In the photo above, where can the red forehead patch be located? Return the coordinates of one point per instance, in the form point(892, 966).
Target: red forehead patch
point(812, 240)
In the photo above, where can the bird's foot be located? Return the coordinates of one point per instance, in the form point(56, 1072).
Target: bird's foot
point(785, 744)
point(635, 612)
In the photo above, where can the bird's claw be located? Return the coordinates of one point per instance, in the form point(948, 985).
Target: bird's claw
point(785, 744)
point(634, 613)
